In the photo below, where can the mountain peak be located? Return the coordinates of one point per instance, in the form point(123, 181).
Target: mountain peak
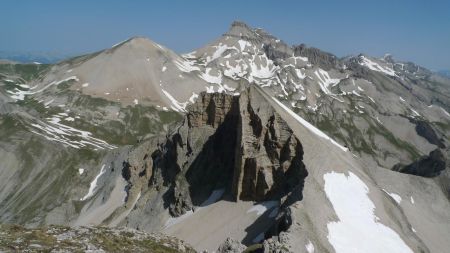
point(138, 43)
point(241, 29)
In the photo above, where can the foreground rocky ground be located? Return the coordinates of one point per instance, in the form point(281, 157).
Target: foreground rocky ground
point(14, 238)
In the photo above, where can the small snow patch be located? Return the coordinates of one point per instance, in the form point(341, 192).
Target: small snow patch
point(309, 247)
point(394, 196)
point(262, 207)
point(93, 185)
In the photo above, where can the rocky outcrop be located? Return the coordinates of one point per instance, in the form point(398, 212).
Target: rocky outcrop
point(427, 166)
point(236, 143)
point(269, 159)
point(231, 246)
point(14, 238)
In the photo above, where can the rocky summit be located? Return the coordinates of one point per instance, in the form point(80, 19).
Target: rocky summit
point(247, 144)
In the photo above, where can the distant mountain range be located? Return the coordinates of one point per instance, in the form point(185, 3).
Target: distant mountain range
point(445, 73)
point(33, 57)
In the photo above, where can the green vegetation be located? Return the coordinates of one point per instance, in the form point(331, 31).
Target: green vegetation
point(253, 248)
point(63, 239)
point(25, 71)
point(400, 144)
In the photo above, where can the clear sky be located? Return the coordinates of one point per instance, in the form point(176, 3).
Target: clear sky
point(416, 30)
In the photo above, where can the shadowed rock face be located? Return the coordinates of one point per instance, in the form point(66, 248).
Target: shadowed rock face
point(426, 131)
point(316, 56)
point(427, 166)
point(237, 143)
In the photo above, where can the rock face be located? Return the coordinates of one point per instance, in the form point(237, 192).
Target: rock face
point(427, 166)
point(236, 143)
point(316, 56)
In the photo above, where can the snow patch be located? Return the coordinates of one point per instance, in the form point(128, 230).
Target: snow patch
point(55, 131)
point(394, 196)
point(93, 185)
point(375, 66)
point(193, 97)
point(185, 66)
point(325, 80)
point(210, 78)
point(309, 247)
point(357, 221)
point(177, 106)
point(445, 112)
point(263, 207)
point(243, 44)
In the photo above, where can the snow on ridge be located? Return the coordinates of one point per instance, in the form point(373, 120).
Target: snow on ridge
point(220, 49)
point(357, 221)
point(243, 44)
point(210, 78)
point(308, 125)
point(394, 196)
point(93, 185)
point(415, 112)
point(20, 94)
point(375, 66)
point(176, 106)
point(55, 131)
point(263, 71)
point(117, 44)
point(185, 65)
point(193, 97)
point(325, 80)
point(445, 112)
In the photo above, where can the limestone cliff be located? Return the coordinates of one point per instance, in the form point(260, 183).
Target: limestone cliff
point(236, 143)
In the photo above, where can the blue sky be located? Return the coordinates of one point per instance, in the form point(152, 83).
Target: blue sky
point(416, 30)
